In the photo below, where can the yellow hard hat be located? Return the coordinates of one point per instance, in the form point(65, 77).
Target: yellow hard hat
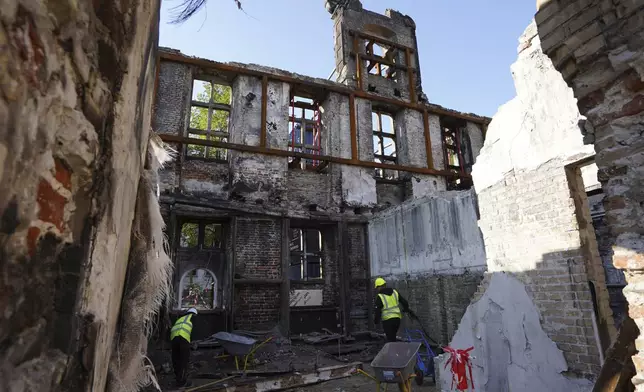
point(380, 282)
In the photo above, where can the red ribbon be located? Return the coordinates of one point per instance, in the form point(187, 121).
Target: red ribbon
point(460, 362)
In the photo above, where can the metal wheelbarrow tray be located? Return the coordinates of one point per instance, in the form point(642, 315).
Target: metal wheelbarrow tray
point(395, 362)
point(235, 345)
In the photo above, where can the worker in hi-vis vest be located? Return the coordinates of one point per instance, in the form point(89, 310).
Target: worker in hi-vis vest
point(180, 337)
point(389, 307)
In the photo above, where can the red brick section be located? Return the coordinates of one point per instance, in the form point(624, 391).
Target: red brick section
point(51, 204)
point(594, 45)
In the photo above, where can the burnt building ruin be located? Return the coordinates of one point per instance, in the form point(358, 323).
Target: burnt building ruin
point(288, 193)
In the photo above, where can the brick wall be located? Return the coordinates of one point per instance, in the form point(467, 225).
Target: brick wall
point(256, 308)
point(258, 249)
point(598, 49)
point(438, 300)
point(530, 229)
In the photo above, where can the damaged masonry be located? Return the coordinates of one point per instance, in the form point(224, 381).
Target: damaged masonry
point(284, 197)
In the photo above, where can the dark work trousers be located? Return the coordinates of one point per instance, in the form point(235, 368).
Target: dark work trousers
point(180, 359)
point(391, 328)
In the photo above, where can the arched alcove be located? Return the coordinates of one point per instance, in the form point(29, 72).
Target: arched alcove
point(198, 289)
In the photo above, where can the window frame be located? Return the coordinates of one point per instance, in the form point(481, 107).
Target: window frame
point(211, 106)
point(201, 235)
point(453, 135)
point(316, 124)
point(378, 132)
point(303, 255)
point(382, 70)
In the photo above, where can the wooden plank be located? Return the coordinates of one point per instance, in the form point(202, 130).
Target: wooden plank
point(246, 210)
point(285, 293)
point(214, 105)
point(262, 137)
point(319, 86)
point(283, 153)
point(353, 126)
point(257, 282)
point(284, 382)
point(428, 140)
point(411, 76)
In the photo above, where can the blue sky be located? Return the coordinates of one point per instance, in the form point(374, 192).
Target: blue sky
point(465, 46)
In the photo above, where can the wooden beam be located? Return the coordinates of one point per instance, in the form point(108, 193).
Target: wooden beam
point(411, 76)
point(258, 282)
point(330, 86)
point(353, 128)
point(325, 158)
point(382, 60)
point(285, 292)
point(344, 279)
point(262, 137)
point(370, 304)
point(356, 52)
point(428, 140)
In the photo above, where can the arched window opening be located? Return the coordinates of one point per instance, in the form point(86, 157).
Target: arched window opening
point(198, 289)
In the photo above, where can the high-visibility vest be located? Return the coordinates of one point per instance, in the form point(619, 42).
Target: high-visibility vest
point(182, 327)
point(390, 306)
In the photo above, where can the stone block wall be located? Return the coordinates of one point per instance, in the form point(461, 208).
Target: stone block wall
point(598, 47)
point(75, 103)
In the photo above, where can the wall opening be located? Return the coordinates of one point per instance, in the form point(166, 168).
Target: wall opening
point(457, 150)
point(305, 248)
point(382, 60)
point(384, 143)
point(304, 132)
point(209, 118)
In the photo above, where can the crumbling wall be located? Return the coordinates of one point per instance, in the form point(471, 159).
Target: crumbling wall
point(74, 120)
point(528, 215)
point(511, 350)
point(598, 48)
point(432, 251)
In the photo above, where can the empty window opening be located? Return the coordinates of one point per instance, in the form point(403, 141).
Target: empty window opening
point(202, 235)
point(304, 132)
point(209, 119)
point(457, 151)
point(198, 289)
point(306, 254)
point(383, 58)
point(384, 143)
point(189, 235)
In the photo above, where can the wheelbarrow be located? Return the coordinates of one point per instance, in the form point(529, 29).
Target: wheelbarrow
point(239, 346)
point(394, 364)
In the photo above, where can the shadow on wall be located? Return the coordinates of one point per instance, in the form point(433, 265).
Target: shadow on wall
point(533, 330)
